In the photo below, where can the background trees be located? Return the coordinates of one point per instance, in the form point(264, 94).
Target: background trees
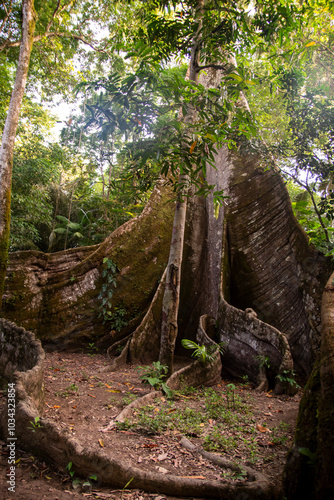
point(242, 245)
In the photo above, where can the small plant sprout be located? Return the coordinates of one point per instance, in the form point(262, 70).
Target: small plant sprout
point(288, 377)
point(202, 352)
point(154, 376)
point(35, 424)
point(92, 348)
point(70, 470)
point(263, 361)
point(230, 395)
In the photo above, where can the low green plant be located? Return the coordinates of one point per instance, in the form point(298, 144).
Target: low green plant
point(71, 389)
point(35, 424)
point(245, 380)
point(311, 456)
point(92, 348)
point(127, 399)
point(263, 361)
point(279, 434)
point(154, 376)
point(217, 440)
point(77, 483)
point(202, 352)
point(235, 475)
point(230, 395)
point(119, 349)
point(116, 319)
point(70, 470)
point(288, 377)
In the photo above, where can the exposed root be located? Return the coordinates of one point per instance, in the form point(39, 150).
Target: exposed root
point(263, 384)
point(120, 360)
point(252, 475)
point(126, 412)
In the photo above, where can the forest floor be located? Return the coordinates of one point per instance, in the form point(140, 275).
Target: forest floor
point(231, 418)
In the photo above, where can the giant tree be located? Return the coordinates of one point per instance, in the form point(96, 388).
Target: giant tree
point(248, 258)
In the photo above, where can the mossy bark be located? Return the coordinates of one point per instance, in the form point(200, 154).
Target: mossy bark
point(309, 472)
point(57, 296)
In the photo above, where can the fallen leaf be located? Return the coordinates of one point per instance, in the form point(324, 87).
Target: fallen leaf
point(56, 406)
point(113, 390)
point(193, 477)
point(107, 385)
point(101, 443)
point(91, 395)
point(262, 429)
point(192, 147)
point(162, 470)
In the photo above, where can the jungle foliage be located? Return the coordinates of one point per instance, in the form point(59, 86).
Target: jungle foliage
point(131, 91)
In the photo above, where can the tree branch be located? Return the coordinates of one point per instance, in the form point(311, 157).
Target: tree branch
point(7, 14)
point(38, 38)
point(214, 66)
point(53, 17)
point(310, 192)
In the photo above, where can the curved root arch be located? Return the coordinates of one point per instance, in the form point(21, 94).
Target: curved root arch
point(56, 446)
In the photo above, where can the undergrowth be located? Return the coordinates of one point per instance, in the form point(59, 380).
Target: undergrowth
point(225, 422)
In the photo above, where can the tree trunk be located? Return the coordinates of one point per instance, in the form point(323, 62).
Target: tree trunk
point(255, 255)
point(171, 299)
point(170, 304)
point(9, 133)
point(309, 471)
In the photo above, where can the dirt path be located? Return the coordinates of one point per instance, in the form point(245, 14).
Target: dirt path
point(231, 419)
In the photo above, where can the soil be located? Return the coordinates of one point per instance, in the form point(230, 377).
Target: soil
point(85, 400)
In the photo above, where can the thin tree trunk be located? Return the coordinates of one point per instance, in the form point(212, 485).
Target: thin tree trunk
point(171, 300)
point(69, 220)
point(9, 133)
point(170, 305)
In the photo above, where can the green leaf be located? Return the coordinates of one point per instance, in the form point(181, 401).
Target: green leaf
point(189, 344)
point(236, 77)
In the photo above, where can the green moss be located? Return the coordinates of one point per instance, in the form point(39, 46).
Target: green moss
point(64, 309)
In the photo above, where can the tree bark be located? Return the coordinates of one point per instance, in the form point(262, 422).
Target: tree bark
point(309, 471)
point(171, 299)
point(9, 133)
point(57, 295)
